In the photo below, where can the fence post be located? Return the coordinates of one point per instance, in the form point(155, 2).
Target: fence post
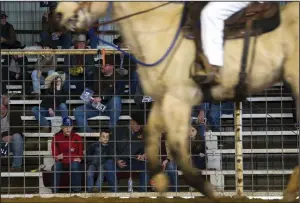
point(239, 179)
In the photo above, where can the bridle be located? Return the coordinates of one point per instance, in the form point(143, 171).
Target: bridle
point(87, 5)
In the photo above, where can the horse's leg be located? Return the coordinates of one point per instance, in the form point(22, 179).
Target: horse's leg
point(177, 114)
point(153, 135)
point(291, 76)
point(291, 191)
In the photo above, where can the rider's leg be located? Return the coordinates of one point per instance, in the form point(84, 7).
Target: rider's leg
point(212, 21)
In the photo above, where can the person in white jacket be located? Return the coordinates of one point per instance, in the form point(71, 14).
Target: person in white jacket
point(213, 16)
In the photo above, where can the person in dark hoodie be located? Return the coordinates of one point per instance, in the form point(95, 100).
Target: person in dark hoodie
point(8, 33)
point(108, 91)
point(100, 155)
point(53, 101)
point(130, 149)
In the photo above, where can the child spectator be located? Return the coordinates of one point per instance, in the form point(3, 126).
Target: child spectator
point(67, 150)
point(99, 159)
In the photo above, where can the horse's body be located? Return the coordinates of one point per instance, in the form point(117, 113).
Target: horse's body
point(149, 35)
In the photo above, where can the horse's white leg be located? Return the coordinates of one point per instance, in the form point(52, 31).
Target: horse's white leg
point(291, 191)
point(176, 113)
point(153, 135)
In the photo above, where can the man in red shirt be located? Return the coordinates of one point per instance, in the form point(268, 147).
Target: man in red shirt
point(67, 150)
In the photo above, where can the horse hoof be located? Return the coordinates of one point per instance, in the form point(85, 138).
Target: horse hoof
point(161, 182)
point(289, 197)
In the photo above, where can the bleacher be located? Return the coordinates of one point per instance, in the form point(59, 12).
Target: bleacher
point(269, 145)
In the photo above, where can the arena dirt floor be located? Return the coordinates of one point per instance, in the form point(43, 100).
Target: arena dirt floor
point(137, 200)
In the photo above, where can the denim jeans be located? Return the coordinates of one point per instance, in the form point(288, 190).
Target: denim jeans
point(36, 82)
point(40, 113)
point(215, 112)
point(75, 176)
point(133, 165)
point(108, 170)
point(171, 170)
point(16, 146)
point(90, 177)
point(84, 112)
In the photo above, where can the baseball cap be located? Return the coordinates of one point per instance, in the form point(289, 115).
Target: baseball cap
point(67, 121)
point(3, 14)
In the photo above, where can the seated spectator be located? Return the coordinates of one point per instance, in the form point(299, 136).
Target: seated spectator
point(100, 161)
point(107, 91)
point(79, 68)
point(51, 31)
point(131, 154)
point(67, 150)
point(8, 34)
point(196, 146)
point(213, 113)
point(125, 64)
point(14, 71)
point(11, 138)
point(54, 101)
point(45, 64)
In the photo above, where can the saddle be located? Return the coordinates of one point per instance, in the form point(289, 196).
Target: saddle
point(254, 20)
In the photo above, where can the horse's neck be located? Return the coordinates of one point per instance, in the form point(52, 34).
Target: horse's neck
point(148, 32)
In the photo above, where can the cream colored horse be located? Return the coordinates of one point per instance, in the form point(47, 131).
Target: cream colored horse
point(150, 34)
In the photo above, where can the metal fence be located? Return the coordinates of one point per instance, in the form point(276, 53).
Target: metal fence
point(250, 147)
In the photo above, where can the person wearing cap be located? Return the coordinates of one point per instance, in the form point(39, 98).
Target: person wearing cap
point(46, 64)
point(67, 150)
point(108, 88)
point(8, 33)
point(79, 69)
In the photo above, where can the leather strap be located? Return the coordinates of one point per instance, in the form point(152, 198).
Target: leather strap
point(241, 88)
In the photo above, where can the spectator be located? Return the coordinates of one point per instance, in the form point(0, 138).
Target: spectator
point(100, 158)
point(213, 114)
point(197, 149)
point(67, 150)
point(131, 150)
point(51, 31)
point(107, 91)
point(79, 68)
point(8, 34)
point(11, 138)
point(125, 64)
point(45, 64)
point(14, 71)
point(54, 101)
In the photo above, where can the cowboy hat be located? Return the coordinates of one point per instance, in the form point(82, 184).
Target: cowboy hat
point(51, 77)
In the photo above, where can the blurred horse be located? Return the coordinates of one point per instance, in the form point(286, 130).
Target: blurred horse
point(170, 83)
